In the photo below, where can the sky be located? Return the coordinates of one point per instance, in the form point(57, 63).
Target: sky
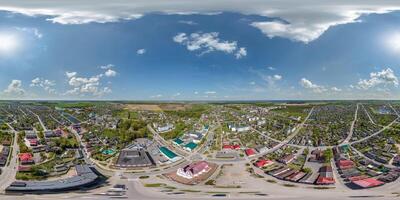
point(199, 50)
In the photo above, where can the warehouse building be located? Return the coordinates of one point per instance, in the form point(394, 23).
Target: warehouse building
point(85, 177)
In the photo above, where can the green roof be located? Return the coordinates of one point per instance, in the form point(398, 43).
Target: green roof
point(168, 153)
point(178, 141)
point(191, 145)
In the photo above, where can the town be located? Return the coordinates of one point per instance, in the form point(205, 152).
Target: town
point(187, 149)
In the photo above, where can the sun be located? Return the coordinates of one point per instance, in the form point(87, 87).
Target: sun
point(8, 43)
point(393, 42)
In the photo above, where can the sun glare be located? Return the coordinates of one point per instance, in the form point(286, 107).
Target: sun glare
point(8, 43)
point(393, 42)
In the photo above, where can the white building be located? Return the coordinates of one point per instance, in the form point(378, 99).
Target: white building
point(165, 128)
point(193, 170)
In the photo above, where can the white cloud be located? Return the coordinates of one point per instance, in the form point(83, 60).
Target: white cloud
point(14, 89)
point(303, 22)
point(271, 80)
point(176, 94)
point(106, 90)
point(277, 77)
point(46, 84)
point(110, 73)
point(335, 89)
point(252, 83)
point(385, 77)
point(272, 68)
point(33, 31)
point(79, 81)
point(89, 85)
point(141, 51)
point(306, 25)
point(156, 96)
point(305, 83)
point(210, 92)
point(108, 66)
point(70, 74)
point(242, 52)
point(209, 42)
point(187, 22)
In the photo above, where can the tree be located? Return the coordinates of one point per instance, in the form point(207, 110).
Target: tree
point(328, 155)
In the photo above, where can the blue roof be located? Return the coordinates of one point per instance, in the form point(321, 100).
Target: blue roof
point(168, 153)
point(191, 145)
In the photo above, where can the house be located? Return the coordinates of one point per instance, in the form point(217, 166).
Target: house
point(25, 168)
point(368, 183)
point(167, 127)
point(193, 170)
point(279, 171)
point(288, 173)
point(26, 158)
point(287, 159)
point(295, 176)
point(3, 161)
point(49, 134)
point(263, 162)
point(396, 160)
point(6, 143)
point(33, 142)
point(345, 164)
point(233, 147)
point(324, 180)
point(30, 135)
point(250, 152)
point(325, 176)
point(316, 156)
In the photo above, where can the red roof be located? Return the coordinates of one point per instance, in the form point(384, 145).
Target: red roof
point(25, 157)
point(196, 167)
point(368, 182)
point(325, 180)
point(236, 146)
point(345, 164)
point(33, 142)
point(249, 152)
point(262, 163)
point(227, 146)
point(357, 178)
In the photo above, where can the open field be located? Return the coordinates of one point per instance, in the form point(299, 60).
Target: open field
point(156, 107)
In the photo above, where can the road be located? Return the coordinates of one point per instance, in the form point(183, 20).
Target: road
point(10, 170)
point(290, 137)
point(163, 142)
point(40, 120)
point(378, 163)
point(138, 191)
point(350, 135)
point(376, 133)
point(369, 116)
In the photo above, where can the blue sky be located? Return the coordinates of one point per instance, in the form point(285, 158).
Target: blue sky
point(232, 54)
